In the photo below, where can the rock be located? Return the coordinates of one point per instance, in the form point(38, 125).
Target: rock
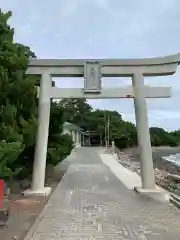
point(4, 214)
point(178, 186)
point(176, 191)
point(174, 177)
point(170, 189)
point(7, 191)
point(15, 238)
point(25, 184)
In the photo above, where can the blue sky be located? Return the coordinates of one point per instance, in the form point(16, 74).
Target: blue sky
point(105, 29)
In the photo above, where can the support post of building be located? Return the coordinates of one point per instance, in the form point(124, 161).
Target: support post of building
point(146, 161)
point(113, 146)
point(79, 139)
point(74, 137)
point(39, 164)
point(83, 140)
point(89, 141)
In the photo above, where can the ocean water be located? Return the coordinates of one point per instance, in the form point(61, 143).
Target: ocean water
point(175, 158)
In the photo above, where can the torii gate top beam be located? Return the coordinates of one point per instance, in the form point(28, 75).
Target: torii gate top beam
point(109, 67)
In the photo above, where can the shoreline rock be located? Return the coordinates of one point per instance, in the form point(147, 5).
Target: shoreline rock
point(167, 174)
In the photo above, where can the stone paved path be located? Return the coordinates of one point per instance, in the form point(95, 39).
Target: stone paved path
point(91, 203)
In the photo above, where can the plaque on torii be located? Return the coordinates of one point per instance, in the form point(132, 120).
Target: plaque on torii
point(92, 77)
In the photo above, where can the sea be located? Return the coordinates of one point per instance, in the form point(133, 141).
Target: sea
point(174, 158)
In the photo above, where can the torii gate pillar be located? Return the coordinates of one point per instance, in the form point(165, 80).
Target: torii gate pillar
point(92, 71)
point(39, 164)
point(143, 135)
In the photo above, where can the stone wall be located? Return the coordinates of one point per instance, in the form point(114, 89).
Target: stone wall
point(165, 165)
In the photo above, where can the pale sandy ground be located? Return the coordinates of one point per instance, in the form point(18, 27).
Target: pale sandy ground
point(24, 211)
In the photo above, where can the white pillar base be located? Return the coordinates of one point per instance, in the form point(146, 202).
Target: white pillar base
point(157, 194)
point(44, 192)
point(78, 145)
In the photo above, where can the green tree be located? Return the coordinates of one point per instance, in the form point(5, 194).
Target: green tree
point(79, 112)
point(159, 137)
point(122, 132)
point(76, 111)
point(18, 103)
point(18, 109)
point(59, 145)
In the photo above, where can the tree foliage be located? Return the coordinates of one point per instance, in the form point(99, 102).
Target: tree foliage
point(18, 109)
point(160, 137)
point(122, 132)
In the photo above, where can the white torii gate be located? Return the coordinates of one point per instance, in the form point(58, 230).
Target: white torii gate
point(93, 71)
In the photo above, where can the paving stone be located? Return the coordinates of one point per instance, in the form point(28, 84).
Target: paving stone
point(91, 203)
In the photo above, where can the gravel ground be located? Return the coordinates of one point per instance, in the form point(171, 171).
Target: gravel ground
point(130, 159)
